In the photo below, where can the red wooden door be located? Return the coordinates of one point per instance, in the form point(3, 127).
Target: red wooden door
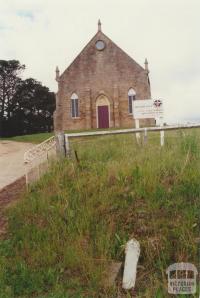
point(103, 117)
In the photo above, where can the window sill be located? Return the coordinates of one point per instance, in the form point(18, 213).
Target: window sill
point(76, 118)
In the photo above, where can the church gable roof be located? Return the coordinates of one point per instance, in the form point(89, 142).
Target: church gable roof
point(90, 49)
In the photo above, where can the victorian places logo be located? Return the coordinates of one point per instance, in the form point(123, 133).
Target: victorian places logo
point(182, 278)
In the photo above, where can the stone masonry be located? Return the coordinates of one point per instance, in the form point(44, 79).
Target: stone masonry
point(108, 73)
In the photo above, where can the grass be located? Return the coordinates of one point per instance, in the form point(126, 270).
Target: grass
point(70, 225)
point(40, 137)
point(34, 138)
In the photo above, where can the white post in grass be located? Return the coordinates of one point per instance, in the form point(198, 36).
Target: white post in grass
point(26, 175)
point(137, 125)
point(132, 252)
point(145, 135)
point(162, 134)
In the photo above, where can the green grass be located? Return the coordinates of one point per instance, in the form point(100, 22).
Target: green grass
point(34, 138)
point(39, 137)
point(67, 229)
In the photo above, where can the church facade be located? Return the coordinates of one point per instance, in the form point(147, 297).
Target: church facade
point(97, 89)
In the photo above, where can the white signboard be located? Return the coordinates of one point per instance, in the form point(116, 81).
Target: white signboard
point(158, 108)
point(147, 108)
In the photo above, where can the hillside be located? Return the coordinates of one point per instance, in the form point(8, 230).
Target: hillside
point(67, 229)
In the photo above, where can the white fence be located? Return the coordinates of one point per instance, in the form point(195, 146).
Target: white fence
point(144, 130)
point(131, 130)
point(37, 159)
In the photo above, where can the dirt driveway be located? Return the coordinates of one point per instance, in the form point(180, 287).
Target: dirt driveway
point(11, 161)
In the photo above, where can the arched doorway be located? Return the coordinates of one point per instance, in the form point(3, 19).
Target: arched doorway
point(103, 112)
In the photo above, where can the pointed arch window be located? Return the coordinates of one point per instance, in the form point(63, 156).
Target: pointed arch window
point(131, 97)
point(74, 105)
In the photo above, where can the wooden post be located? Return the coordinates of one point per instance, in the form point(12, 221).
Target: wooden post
point(60, 144)
point(145, 135)
point(26, 175)
point(162, 134)
point(137, 125)
point(38, 171)
point(67, 148)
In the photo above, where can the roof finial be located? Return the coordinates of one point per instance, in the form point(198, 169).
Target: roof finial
point(57, 74)
point(146, 65)
point(99, 25)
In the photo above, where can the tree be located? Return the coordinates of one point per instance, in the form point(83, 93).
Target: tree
point(25, 105)
point(9, 80)
point(33, 107)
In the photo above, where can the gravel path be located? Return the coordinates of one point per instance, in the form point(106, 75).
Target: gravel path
point(11, 161)
point(12, 179)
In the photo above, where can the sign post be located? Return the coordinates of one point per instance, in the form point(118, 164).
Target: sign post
point(158, 107)
point(162, 134)
point(148, 109)
point(145, 136)
point(137, 125)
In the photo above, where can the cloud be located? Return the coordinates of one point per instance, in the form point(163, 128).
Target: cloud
point(46, 33)
point(26, 14)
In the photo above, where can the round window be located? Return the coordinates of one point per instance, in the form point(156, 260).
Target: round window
point(100, 45)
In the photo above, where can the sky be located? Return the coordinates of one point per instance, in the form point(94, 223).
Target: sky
point(45, 33)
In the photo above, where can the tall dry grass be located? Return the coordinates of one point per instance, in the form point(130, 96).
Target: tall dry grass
point(75, 221)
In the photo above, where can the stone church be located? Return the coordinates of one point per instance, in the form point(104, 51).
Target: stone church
point(97, 89)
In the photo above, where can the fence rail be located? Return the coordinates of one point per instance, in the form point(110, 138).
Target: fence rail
point(36, 159)
point(39, 149)
point(130, 130)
